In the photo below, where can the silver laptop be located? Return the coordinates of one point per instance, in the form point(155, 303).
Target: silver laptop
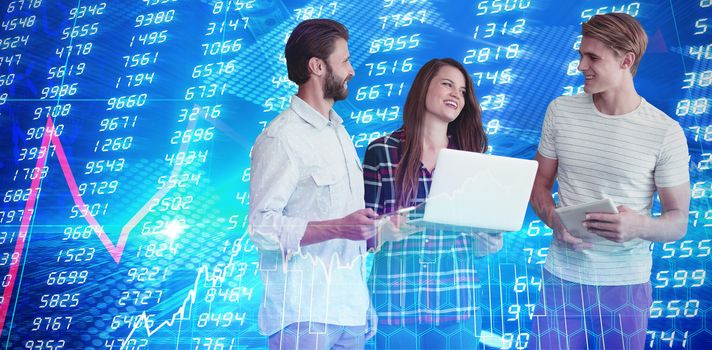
point(480, 192)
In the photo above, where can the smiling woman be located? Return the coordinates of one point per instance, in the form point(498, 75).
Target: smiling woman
point(426, 279)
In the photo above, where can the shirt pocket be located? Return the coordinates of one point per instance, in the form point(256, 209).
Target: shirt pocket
point(326, 192)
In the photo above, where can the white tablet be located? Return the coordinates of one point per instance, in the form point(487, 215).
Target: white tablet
point(573, 215)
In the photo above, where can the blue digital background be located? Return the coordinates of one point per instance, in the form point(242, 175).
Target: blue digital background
point(188, 276)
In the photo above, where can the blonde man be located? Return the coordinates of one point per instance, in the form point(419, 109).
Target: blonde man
point(606, 143)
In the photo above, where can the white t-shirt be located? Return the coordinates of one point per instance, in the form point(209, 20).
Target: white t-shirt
point(624, 158)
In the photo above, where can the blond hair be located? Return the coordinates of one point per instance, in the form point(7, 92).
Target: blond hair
point(620, 32)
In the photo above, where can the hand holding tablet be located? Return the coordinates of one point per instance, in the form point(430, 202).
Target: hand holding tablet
point(392, 227)
point(573, 216)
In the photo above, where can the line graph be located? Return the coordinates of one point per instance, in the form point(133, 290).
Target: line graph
point(184, 311)
point(115, 250)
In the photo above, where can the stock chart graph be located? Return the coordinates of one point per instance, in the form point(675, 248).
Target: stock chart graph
point(127, 128)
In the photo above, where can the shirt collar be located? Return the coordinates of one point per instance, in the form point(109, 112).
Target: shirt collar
point(311, 116)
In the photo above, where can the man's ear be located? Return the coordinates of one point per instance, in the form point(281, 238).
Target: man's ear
point(628, 60)
point(316, 66)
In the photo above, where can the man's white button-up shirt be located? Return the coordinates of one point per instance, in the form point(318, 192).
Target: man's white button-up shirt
point(305, 168)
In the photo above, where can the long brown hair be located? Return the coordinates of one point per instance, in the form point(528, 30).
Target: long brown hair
point(466, 129)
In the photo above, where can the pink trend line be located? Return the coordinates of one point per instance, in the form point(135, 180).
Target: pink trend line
point(24, 225)
point(114, 250)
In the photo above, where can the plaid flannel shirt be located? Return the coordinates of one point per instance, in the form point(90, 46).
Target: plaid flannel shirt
point(430, 276)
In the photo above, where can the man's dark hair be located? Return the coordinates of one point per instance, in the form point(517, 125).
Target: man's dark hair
point(311, 38)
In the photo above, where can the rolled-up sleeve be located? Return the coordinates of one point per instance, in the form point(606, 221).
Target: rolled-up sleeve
point(273, 180)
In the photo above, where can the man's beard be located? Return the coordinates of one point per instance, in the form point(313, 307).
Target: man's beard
point(333, 88)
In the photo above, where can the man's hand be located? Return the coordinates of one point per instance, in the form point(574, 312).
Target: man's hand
point(564, 236)
point(621, 227)
point(393, 228)
point(357, 226)
point(544, 205)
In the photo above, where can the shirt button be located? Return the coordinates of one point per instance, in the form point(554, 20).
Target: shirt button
point(427, 240)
